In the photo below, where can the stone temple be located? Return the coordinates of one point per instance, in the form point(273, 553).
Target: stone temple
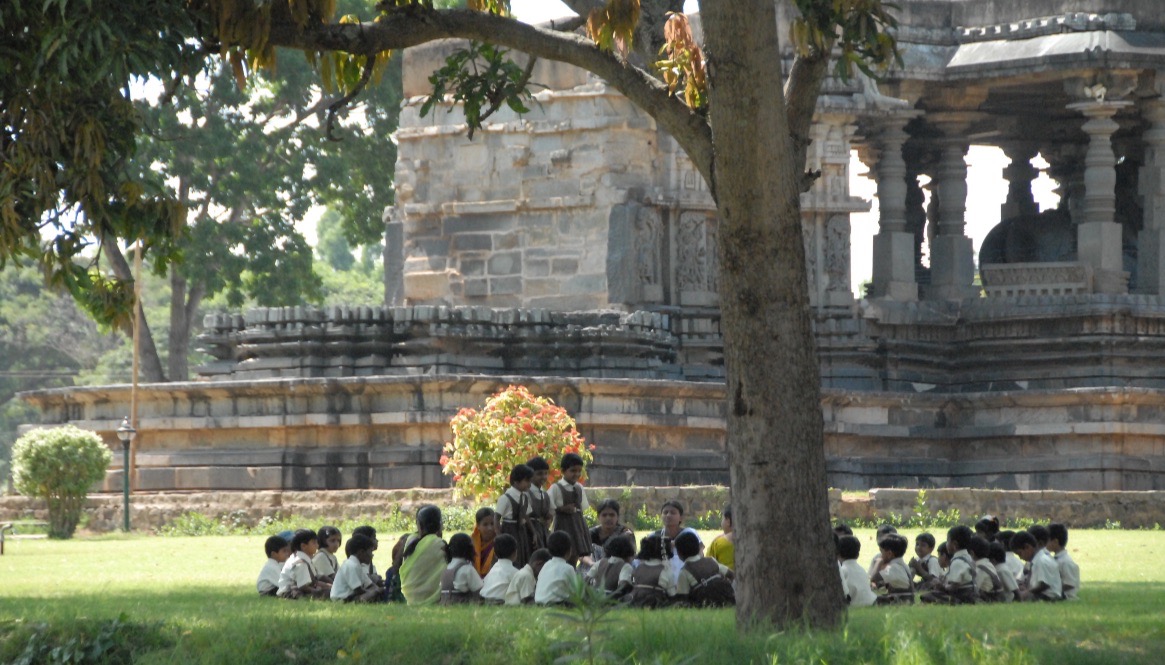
point(573, 249)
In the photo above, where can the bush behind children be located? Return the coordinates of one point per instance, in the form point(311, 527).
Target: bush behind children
point(535, 546)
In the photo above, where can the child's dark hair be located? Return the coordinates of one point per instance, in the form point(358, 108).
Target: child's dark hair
point(997, 553)
point(482, 513)
point(540, 555)
point(925, 538)
point(570, 460)
point(560, 544)
point(608, 504)
point(1021, 540)
point(895, 543)
point(1040, 532)
point(672, 503)
point(651, 547)
point(960, 535)
point(979, 546)
point(505, 545)
point(988, 526)
point(326, 532)
point(365, 530)
point(619, 547)
point(358, 542)
point(883, 530)
point(849, 547)
point(460, 546)
point(843, 530)
point(537, 464)
point(727, 512)
point(1004, 537)
point(274, 544)
point(942, 551)
point(1059, 532)
point(687, 544)
point(301, 538)
point(519, 473)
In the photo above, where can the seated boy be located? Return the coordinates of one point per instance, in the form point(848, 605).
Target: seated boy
point(925, 565)
point(352, 584)
point(987, 582)
point(959, 584)
point(876, 562)
point(1069, 571)
point(278, 552)
point(497, 580)
point(998, 556)
point(703, 581)
point(854, 582)
point(893, 575)
point(558, 576)
point(1045, 581)
point(525, 581)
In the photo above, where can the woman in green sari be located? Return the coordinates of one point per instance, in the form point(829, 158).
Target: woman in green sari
point(423, 559)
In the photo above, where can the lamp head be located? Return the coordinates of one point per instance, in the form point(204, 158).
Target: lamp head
point(125, 431)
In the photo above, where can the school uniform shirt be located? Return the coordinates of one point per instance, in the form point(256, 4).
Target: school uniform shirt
point(983, 581)
point(666, 582)
point(875, 563)
point(466, 580)
point(269, 577)
point(896, 576)
point(1014, 565)
point(931, 565)
point(557, 499)
point(505, 508)
point(625, 571)
point(324, 563)
point(1010, 585)
point(522, 586)
point(687, 581)
point(1044, 569)
point(296, 574)
point(961, 572)
point(555, 582)
point(856, 584)
point(723, 550)
point(675, 562)
point(496, 583)
point(350, 578)
point(1069, 575)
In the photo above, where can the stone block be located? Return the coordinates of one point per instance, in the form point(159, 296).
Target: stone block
point(563, 266)
point(585, 284)
point(476, 288)
point(505, 286)
point(479, 224)
point(472, 267)
point(505, 263)
point(472, 242)
point(537, 268)
point(427, 285)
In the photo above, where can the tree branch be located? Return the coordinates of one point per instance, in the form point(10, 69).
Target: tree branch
point(402, 29)
point(801, 91)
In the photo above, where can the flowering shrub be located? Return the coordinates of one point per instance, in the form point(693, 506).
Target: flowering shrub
point(514, 426)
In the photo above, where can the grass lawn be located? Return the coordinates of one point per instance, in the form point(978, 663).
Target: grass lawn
point(188, 600)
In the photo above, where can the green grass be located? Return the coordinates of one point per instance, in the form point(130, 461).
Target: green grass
point(191, 600)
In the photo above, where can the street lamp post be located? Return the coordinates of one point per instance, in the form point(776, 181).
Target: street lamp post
point(126, 433)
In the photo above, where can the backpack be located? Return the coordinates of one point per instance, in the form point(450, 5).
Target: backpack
point(711, 589)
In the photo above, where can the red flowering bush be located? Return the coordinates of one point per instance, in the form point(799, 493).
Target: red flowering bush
point(514, 426)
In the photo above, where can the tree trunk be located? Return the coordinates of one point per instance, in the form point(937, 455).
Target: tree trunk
point(788, 574)
point(181, 312)
point(150, 362)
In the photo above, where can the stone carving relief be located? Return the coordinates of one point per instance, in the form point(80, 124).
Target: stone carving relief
point(809, 236)
point(837, 252)
point(648, 246)
point(697, 272)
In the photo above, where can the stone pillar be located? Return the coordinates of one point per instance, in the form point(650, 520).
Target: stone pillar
point(1151, 241)
point(893, 245)
point(1098, 236)
point(952, 266)
point(1019, 174)
point(394, 258)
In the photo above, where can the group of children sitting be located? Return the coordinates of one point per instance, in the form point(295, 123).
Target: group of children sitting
point(987, 565)
point(533, 547)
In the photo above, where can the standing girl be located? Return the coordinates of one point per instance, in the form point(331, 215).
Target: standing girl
point(569, 501)
point(541, 512)
point(513, 513)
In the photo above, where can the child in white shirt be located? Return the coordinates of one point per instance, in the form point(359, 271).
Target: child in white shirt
point(854, 581)
point(1045, 574)
point(959, 584)
point(298, 578)
point(557, 579)
point(278, 551)
point(612, 574)
point(653, 584)
point(893, 575)
point(925, 565)
point(525, 581)
point(998, 557)
point(325, 562)
point(1069, 571)
point(351, 583)
point(497, 580)
point(460, 582)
